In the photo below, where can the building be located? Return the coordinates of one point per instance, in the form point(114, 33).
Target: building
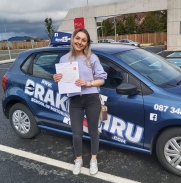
point(90, 13)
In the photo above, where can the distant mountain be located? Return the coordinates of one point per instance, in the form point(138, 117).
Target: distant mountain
point(19, 38)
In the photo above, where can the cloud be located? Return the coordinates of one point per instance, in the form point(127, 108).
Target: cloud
point(32, 11)
point(34, 17)
point(26, 17)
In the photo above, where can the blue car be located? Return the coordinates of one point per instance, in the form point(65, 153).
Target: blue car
point(142, 93)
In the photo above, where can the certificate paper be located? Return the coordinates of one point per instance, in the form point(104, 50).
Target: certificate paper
point(70, 73)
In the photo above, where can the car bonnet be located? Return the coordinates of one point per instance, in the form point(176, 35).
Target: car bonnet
point(175, 90)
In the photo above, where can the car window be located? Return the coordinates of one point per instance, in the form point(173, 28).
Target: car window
point(26, 64)
point(44, 64)
point(153, 67)
point(114, 77)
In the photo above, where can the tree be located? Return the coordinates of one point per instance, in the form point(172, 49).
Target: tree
point(130, 25)
point(107, 28)
point(150, 24)
point(99, 32)
point(28, 40)
point(161, 16)
point(49, 27)
point(120, 27)
point(164, 20)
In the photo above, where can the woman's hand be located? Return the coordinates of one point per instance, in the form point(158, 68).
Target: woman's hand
point(57, 77)
point(80, 82)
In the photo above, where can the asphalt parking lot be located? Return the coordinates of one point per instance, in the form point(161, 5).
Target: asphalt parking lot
point(6, 55)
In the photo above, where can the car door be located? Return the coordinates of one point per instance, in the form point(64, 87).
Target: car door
point(127, 42)
point(124, 42)
point(125, 123)
point(50, 108)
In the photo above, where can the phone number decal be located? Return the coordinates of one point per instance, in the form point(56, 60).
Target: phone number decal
point(165, 108)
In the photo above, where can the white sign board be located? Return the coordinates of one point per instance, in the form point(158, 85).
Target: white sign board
point(8, 44)
point(32, 42)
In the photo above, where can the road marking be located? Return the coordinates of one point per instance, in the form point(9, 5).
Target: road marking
point(63, 165)
point(159, 52)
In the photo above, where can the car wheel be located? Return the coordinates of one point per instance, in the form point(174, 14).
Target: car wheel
point(168, 149)
point(23, 121)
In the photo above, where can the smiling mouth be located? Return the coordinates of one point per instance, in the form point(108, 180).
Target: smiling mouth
point(79, 46)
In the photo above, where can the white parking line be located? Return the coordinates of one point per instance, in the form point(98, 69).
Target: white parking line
point(159, 52)
point(61, 164)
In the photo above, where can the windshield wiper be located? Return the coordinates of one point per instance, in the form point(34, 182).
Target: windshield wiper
point(179, 82)
point(167, 84)
point(150, 78)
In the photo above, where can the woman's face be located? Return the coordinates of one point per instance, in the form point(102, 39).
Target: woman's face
point(80, 41)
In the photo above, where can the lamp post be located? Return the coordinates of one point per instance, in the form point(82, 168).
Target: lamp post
point(7, 43)
point(98, 32)
point(1, 37)
point(115, 27)
point(101, 30)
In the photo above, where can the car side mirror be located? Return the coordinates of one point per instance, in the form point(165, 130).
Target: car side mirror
point(126, 89)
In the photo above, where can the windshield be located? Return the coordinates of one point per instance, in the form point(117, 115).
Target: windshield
point(111, 40)
point(153, 67)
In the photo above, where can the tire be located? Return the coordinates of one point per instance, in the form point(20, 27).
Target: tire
point(27, 126)
point(168, 150)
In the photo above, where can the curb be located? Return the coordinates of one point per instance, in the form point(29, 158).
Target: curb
point(6, 61)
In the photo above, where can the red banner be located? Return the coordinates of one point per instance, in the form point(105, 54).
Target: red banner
point(78, 23)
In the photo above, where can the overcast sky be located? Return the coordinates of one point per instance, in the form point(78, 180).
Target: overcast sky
point(26, 17)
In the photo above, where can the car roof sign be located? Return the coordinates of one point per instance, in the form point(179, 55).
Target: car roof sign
point(60, 38)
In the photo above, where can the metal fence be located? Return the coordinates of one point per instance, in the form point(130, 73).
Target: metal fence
point(154, 38)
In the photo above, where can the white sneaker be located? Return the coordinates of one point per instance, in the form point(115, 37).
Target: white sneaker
point(77, 166)
point(93, 166)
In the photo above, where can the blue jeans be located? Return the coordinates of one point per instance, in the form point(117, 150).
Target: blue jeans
point(90, 105)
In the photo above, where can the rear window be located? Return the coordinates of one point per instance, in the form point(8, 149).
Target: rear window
point(42, 65)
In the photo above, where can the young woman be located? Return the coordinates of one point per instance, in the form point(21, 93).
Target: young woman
point(87, 101)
